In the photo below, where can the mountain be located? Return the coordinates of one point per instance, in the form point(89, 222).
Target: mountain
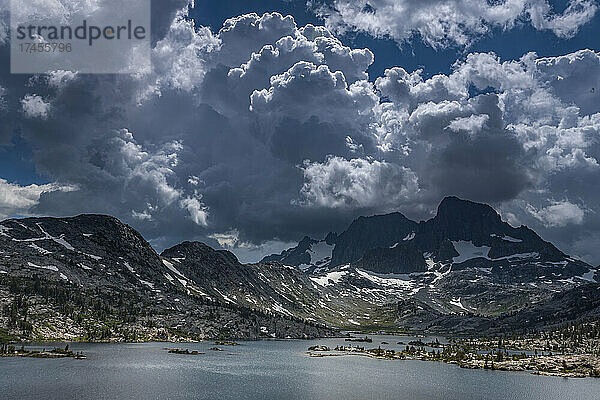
point(461, 231)
point(464, 264)
point(310, 255)
point(463, 271)
point(93, 277)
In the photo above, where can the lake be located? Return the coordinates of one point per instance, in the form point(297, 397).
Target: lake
point(267, 369)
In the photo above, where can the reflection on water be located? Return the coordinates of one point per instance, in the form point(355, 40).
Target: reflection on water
point(267, 369)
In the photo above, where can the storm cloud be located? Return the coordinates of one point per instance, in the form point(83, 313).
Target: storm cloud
point(265, 131)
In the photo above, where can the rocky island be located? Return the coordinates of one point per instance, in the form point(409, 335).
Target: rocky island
point(7, 350)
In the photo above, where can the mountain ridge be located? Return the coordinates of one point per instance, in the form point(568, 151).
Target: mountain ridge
point(381, 237)
point(464, 270)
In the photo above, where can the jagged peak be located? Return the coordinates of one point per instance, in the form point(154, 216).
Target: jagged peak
point(455, 205)
point(397, 216)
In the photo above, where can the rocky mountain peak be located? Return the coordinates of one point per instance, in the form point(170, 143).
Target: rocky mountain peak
point(199, 251)
point(460, 219)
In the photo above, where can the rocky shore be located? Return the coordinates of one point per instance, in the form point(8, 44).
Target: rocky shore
point(11, 351)
point(565, 365)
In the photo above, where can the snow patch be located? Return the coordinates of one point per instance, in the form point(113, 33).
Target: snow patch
point(279, 308)
point(3, 230)
point(180, 277)
point(467, 250)
point(129, 267)
point(519, 256)
point(588, 276)
point(149, 284)
point(334, 276)
point(227, 299)
point(410, 236)
point(60, 240)
point(48, 267)
point(38, 248)
point(457, 303)
point(384, 280)
point(507, 238)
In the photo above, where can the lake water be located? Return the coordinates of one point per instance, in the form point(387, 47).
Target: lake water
point(268, 369)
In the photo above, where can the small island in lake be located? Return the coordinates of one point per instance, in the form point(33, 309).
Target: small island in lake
point(184, 351)
point(366, 339)
point(7, 350)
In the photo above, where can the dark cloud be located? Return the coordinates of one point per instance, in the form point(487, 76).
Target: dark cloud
point(265, 131)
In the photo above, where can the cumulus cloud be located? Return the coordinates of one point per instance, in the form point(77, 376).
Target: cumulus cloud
point(35, 106)
point(59, 79)
point(559, 214)
point(472, 123)
point(230, 239)
point(265, 131)
point(18, 200)
point(357, 183)
point(456, 22)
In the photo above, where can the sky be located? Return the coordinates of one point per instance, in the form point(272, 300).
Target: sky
point(264, 121)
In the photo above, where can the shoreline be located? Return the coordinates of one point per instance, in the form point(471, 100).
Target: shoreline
point(561, 365)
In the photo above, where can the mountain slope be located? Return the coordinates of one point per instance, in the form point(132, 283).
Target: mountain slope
point(92, 276)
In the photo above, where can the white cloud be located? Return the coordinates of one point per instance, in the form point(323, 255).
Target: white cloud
point(198, 212)
point(473, 123)
point(17, 200)
point(455, 22)
point(142, 215)
point(357, 183)
point(225, 119)
point(558, 214)
point(34, 106)
point(567, 24)
point(230, 240)
point(182, 57)
point(60, 79)
point(307, 90)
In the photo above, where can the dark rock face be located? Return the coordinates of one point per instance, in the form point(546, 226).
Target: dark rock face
point(458, 219)
point(310, 255)
point(367, 233)
point(404, 258)
point(296, 255)
point(463, 220)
